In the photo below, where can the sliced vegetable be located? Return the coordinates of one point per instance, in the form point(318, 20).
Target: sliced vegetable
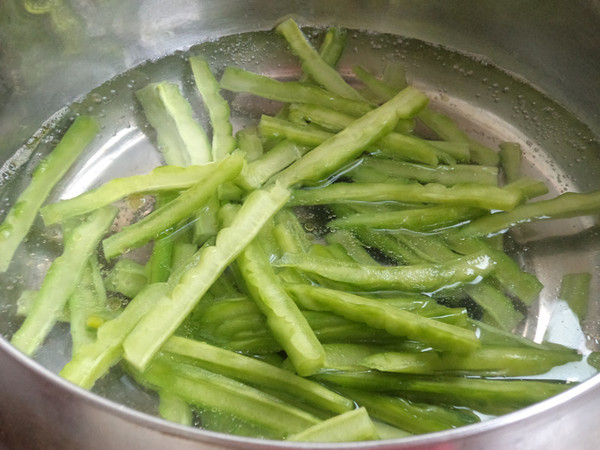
point(379, 315)
point(223, 142)
point(415, 278)
point(173, 212)
point(49, 171)
point(180, 137)
point(62, 278)
point(355, 425)
point(158, 325)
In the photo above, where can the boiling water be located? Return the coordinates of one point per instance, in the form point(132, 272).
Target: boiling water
point(491, 105)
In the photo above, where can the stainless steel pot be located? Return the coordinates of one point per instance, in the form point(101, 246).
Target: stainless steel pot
point(52, 52)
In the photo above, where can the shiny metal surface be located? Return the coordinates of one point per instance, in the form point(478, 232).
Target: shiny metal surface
point(49, 59)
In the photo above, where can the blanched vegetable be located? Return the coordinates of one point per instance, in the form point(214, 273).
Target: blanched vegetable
point(62, 278)
point(180, 137)
point(333, 272)
point(49, 171)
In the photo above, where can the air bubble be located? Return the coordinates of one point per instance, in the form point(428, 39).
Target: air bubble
point(96, 98)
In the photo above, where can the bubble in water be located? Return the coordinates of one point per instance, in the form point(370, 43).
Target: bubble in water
point(309, 226)
point(96, 98)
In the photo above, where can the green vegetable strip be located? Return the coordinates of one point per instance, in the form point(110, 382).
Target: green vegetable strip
point(289, 233)
point(331, 328)
point(394, 75)
point(495, 304)
point(229, 424)
point(127, 277)
point(413, 417)
point(593, 360)
point(328, 118)
point(347, 357)
point(159, 265)
point(239, 80)
point(61, 280)
point(518, 283)
point(223, 142)
point(490, 396)
point(445, 127)
point(421, 219)
point(313, 64)
point(385, 91)
point(332, 47)
point(288, 325)
point(346, 145)
point(173, 212)
point(249, 333)
point(471, 195)
point(387, 431)
point(446, 175)
point(427, 307)
point(379, 315)
point(307, 134)
point(182, 252)
point(252, 371)
point(236, 319)
point(161, 259)
point(330, 250)
point(180, 138)
point(378, 87)
point(205, 222)
point(494, 336)
point(529, 187)
point(497, 307)
point(427, 248)
point(361, 173)
point(25, 301)
point(174, 409)
point(387, 245)
point(566, 205)
point(351, 244)
point(394, 144)
point(335, 120)
point(457, 151)
point(242, 326)
point(92, 361)
point(397, 145)
point(487, 360)
point(250, 143)
point(215, 392)
point(156, 327)
point(575, 290)
point(162, 178)
point(49, 171)
point(230, 192)
point(260, 170)
point(88, 299)
point(510, 160)
point(350, 426)
point(413, 278)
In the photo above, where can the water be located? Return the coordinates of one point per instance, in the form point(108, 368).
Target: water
point(491, 105)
